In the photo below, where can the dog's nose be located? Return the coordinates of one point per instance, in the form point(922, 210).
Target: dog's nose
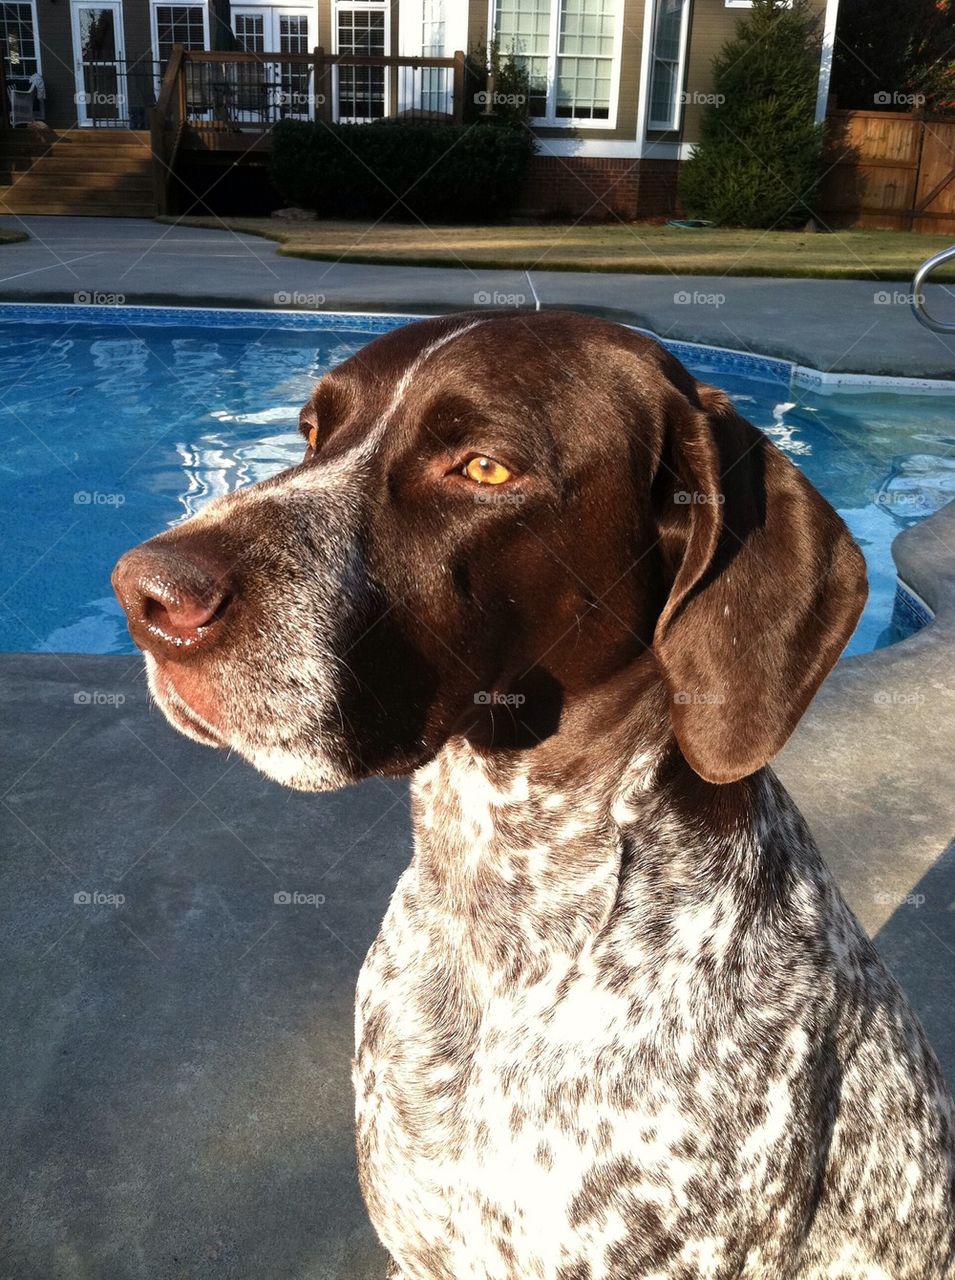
point(175, 600)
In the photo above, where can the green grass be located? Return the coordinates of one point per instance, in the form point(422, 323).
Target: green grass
point(633, 247)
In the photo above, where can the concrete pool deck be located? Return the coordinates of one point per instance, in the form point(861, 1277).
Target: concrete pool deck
point(178, 1041)
point(848, 326)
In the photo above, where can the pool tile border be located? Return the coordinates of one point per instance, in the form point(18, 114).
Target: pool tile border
point(720, 359)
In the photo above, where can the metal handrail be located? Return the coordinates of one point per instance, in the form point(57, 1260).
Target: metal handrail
point(918, 297)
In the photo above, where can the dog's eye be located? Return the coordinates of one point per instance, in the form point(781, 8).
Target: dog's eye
point(486, 471)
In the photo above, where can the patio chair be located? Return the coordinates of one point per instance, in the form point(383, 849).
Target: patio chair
point(26, 100)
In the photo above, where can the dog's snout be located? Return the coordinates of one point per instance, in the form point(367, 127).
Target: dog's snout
point(175, 600)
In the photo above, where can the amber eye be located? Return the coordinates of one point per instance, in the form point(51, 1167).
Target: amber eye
point(486, 471)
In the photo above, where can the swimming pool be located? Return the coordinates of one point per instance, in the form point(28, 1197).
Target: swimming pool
point(120, 421)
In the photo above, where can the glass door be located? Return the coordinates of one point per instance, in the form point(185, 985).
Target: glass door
point(100, 63)
point(275, 90)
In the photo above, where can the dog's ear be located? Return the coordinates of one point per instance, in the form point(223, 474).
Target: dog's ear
point(767, 587)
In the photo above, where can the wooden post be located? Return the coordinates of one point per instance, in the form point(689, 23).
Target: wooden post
point(180, 81)
point(322, 85)
point(4, 96)
point(460, 80)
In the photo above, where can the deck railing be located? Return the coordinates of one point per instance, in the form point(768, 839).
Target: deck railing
point(247, 93)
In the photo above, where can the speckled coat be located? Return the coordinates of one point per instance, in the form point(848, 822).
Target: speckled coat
point(599, 1037)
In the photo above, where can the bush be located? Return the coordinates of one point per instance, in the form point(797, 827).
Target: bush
point(759, 154)
point(507, 89)
point(440, 173)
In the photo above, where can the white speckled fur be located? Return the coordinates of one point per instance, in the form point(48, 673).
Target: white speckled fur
point(597, 1055)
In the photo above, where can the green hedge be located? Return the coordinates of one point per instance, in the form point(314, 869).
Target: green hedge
point(438, 172)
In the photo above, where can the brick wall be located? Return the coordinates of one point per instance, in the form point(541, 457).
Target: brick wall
point(600, 189)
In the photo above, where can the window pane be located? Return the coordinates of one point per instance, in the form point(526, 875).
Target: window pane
point(523, 32)
point(361, 90)
point(585, 58)
point(665, 70)
point(16, 30)
point(178, 24)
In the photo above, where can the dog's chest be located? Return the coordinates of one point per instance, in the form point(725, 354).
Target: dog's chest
point(523, 1128)
point(478, 1119)
point(541, 1082)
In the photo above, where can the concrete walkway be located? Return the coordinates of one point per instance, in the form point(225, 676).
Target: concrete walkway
point(843, 325)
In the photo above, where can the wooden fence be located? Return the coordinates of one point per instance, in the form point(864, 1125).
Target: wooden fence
point(890, 170)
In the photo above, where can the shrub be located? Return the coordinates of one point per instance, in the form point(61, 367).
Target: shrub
point(436, 172)
point(506, 94)
point(759, 154)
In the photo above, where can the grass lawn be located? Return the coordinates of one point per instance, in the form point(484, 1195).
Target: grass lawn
point(864, 255)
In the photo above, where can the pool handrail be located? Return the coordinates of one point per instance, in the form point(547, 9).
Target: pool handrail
point(918, 297)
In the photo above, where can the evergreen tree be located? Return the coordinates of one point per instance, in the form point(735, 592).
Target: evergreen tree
point(759, 153)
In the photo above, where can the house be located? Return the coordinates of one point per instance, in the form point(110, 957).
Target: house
point(616, 86)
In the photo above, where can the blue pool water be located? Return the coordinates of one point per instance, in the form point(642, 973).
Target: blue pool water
point(114, 428)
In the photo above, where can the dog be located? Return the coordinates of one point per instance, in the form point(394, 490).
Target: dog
point(619, 1021)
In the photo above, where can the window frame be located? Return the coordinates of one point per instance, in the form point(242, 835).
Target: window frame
point(37, 45)
point(154, 7)
point(551, 120)
point(364, 6)
point(675, 123)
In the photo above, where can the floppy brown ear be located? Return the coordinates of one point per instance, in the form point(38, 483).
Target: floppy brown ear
point(768, 586)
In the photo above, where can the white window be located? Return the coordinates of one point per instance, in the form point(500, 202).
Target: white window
point(362, 28)
point(667, 61)
point(18, 33)
point(570, 50)
point(173, 24)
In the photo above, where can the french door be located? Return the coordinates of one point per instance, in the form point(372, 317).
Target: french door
point(279, 90)
point(99, 62)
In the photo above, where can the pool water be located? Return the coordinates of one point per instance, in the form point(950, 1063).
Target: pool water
point(115, 430)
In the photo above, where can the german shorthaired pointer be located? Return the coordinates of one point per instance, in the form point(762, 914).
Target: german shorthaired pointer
point(619, 1022)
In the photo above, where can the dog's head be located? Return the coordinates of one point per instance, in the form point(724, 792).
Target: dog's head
point(494, 516)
